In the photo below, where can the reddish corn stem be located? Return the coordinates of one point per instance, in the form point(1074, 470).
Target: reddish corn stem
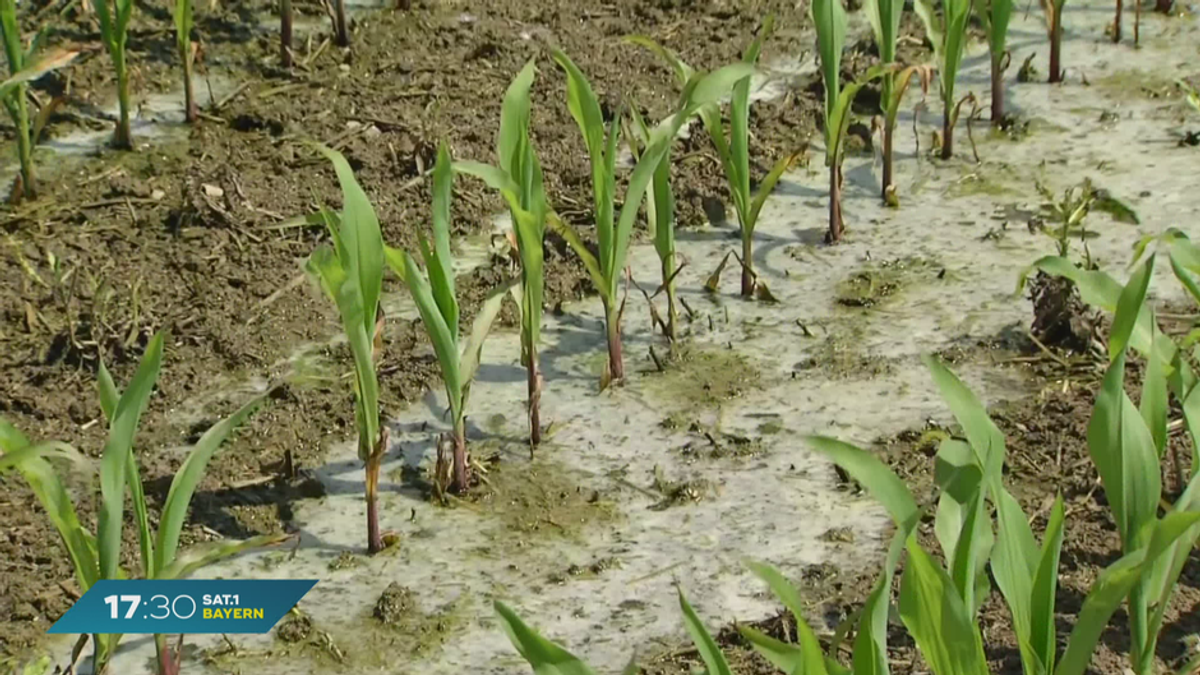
point(835, 204)
point(948, 132)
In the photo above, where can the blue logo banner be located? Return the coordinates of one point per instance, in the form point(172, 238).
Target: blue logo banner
point(192, 606)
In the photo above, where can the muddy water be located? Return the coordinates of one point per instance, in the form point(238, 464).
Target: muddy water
point(677, 476)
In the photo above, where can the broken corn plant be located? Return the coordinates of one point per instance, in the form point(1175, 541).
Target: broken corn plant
point(548, 658)
point(996, 15)
point(114, 33)
point(99, 557)
point(341, 30)
point(519, 180)
point(351, 274)
point(948, 35)
point(433, 291)
point(1127, 444)
point(830, 20)
point(24, 66)
point(660, 220)
point(187, 55)
point(734, 150)
point(613, 235)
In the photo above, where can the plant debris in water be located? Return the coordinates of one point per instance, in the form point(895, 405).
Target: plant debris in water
point(871, 285)
point(706, 378)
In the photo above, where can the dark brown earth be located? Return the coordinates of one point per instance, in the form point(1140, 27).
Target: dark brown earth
point(144, 243)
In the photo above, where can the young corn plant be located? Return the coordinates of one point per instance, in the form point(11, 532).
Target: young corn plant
point(1027, 576)
point(613, 234)
point(549, 658)
point(996, 15)
point(885, 23)
point(830, 20)
point(114, 33)
point(187, 56)
point(1127, 444)
point(351, 274)
point(99, 557)
point(1053, 10)
point(24, 66)
point(519, 179)
point(734, 149)
point(433, 291)
point(948, 34)
point(660, 220)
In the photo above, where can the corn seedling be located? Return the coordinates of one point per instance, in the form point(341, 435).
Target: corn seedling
point(99, 557)
point(938, 605)
point(351, 273)
point(187, 55)
point(114, 32)
point(433, 291)
point(885, 23)
point(519, 180)
point(1127, 444)
point(613, 237)
point(1053, 10)
point(24, 66)
point(996, 15)
point(830, 20)
point(660, 220)
point(549, 658)
point(948, 34)
point(1067, 213)
point(734, 150)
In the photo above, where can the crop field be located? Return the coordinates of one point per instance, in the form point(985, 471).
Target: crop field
point(639, 336)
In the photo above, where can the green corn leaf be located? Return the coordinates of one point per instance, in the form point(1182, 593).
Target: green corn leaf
point(324, 265)
point(443, 341)
point(837, 120)
point(1153, 404)
point(830, 20)
point(884, 16)
point(55, 500)
point(361, 248)
point(812, 658)
point(934, 28)
point(26, 452)
point(961, 525)
point(118, 452)
point(1123, 450)
point(784, 656)
point(590, 263)
point(211, 553)
point(937, 619)
point(957, 14)
point(1129, 308)
point(1014, 565)
point(870, 645)
point(985, 438)
point(683, 72)
point(606, 236)
point(188, 477)
point(1161, 582)
point(710, 653)
point(1114, 584)
point(1191, 417)
point(767, 186)
point(109, 398)
point(514, 119)
point(440, 265)
point(473, 350)
point(874, 475)
point(1045, 587)
point(739, 130)
point(546, 657)
point(494, 177)
point(183, 25)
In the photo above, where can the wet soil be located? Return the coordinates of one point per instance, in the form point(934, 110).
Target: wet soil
point(196, 236)
point(1046, 443)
